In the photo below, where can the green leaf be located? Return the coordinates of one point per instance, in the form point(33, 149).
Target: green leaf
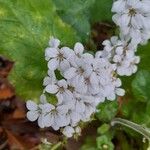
point(76, 13)
point(104, 143)
point(144, 53)
point(101, 11)
point(25, 29)
point(141, 85)
point(89, 144)
point(107, 110)
point(103, 128)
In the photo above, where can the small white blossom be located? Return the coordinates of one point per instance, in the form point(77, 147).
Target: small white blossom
point(57, 58)
point(54, 42)
point(78, 74)
point(50, 79)
point(68, 131)
point(38, 112)
point(61, 90)
point(122, 54)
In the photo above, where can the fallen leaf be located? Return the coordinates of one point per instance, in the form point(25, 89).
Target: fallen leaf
point(6, 89)
point(13, 142)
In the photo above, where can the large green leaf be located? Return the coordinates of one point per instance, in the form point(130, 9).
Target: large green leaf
point(25, 28)
point(141, 85)
point(144, 53)
point(76, 13)
point(101, 11)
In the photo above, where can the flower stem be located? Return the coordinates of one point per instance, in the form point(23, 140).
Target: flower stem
point(138, 128)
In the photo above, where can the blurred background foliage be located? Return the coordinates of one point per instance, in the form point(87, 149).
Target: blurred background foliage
point(25, 29)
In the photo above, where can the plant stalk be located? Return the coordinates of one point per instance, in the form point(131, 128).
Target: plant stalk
point(138, 128)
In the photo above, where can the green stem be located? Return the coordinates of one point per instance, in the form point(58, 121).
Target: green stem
point(56, 146)
point(138, 128)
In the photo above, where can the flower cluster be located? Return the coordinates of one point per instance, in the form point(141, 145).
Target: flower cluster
point(133, 18)
point(122, 54)
point(84, 81)
point(79, 81)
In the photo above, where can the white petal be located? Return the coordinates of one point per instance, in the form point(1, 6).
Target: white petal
point(55, 126)
point(118, 6)
point(41, 121)
point(67, 52)
point(120, 92)
point(75, 117)
point(94, 79)
point(43, 99)
point(32, 115)
point(64, 65)
point(63, 109)
point(53, 64)
point(62, 83)
point(48, 80)
point(61, 120)
point(111, 97)
point(78, 48)
point(48, 120)
point(46, 108)
point(52, 89)
point(68, 131)
point(60, 98)
point(51, 52)
point(70, 73)
point(80, 107)
point(124, 20)
point(31, 105)
point(80, 84)
point(54, 42)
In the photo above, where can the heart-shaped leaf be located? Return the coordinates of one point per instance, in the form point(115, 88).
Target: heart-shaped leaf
point(25, 29)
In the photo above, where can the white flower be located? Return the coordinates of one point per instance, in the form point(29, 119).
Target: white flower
point(84, 105)
point(133, 18)
point(33, 112)
point(38, 112)
point(126, 62)
point(72, 117)
point(78, 75)
point(85, 82)
point(54, 42)
point(78, 49)
point(61, 90)
point(57, 58)
point(56, 117)
point(68, 131)
point(122, 54)
point(50, 79)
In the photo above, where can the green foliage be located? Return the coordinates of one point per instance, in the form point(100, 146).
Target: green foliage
point(107, 110)
point(101, 11)
point(104, 143)
point(103, 128)
point(144, 53)
point(90, 144)
point(76, 13)
point(140, 85)
point(25, 29)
